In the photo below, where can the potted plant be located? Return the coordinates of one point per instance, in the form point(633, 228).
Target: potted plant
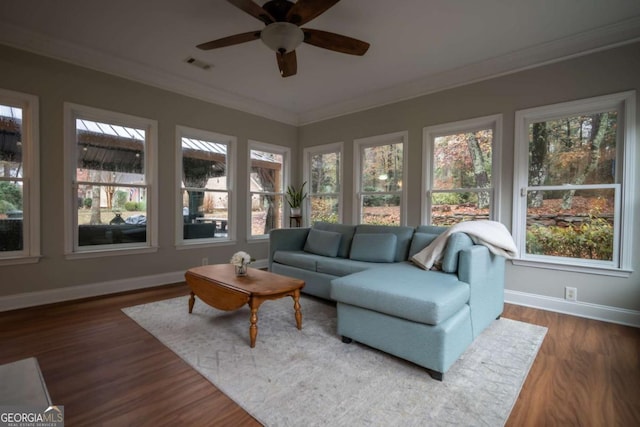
point(295, 198)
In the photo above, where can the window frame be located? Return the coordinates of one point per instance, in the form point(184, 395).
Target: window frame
point(430, 133)
point(285, 152)
point(359, 145)
point(31, 248)
point(75, 111)
point(308, 153)
point(209, 136)
point(625, 104)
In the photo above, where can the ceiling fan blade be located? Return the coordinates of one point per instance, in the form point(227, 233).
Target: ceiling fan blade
point(254, 10)
point(229, 41)
point(304, 11)
point(335, 42)
point(287, 63)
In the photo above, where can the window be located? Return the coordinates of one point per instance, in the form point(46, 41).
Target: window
point(268, 176)
point(573, 196)
point(19, 178)
point(205, 208)
point(323, 173)
point(460, 162)
point(380, 171)
point(110, 163)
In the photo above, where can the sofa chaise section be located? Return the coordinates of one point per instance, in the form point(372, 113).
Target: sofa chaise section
point(386, 302)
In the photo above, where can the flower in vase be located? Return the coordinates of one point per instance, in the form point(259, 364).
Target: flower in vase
point(240, 259)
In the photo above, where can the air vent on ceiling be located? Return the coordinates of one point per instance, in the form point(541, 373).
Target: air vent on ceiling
point(197, 63)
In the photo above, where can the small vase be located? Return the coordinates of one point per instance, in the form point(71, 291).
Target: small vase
point(241, 270)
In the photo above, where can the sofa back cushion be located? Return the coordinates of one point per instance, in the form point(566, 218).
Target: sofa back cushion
point(321, 242)
point(420, 241)
point(345, 230)
point(434, 230)
point(403, 236)
point(374, 247)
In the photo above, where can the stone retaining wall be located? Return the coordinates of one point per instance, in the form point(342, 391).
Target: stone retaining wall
point(543, 220)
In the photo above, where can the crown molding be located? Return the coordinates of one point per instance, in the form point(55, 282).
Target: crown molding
point(602, 38)
point(581, 44)
point(40, 44)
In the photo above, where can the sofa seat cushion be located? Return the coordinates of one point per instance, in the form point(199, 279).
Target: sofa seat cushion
point(300, 259)
point(405, 291)
point(341, 267)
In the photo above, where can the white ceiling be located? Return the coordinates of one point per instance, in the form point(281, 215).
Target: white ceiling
point(417, 46)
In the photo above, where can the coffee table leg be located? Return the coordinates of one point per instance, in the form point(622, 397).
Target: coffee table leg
point(296, 307)
point(192, 301)
point(254, 304)
point(253, 329)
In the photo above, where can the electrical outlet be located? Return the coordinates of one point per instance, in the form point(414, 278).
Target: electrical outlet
point(205, 261)
point(570, 294)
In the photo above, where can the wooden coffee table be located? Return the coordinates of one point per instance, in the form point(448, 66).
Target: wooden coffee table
point(219, 287)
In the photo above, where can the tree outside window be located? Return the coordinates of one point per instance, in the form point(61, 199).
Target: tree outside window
point(579, 152)
point(11, 180)
point(460, 162)
point(323, 171)
point(381, 175)
point(267, 183)
point(572, 198)
point(205, 202)
point(111, 168)
point(462, 177)
point(19, 178)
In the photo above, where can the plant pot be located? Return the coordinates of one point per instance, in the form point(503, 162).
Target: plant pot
point(296, 211)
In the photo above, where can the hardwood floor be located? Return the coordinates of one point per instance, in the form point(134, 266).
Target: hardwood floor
point(106, 370)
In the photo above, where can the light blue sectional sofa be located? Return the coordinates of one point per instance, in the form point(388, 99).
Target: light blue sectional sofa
point(383, 300)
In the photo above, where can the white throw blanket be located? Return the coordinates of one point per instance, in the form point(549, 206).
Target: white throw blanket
point(491, 234)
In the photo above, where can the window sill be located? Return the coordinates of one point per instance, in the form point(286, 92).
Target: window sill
point(99, 253)
point(19, 260)
point(195, 244)
point(603, 271)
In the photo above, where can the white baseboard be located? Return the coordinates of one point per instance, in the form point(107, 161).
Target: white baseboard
point(32, 299)
point(580, 309)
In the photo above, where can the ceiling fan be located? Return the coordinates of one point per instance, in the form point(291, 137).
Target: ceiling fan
point(283, 34)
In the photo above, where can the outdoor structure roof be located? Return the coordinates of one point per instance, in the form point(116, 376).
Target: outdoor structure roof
point(110, 147)
point(109, 129)
point(11, 112)
point(10, 135)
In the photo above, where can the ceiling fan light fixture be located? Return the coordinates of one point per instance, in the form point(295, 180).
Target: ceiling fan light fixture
point(282, 37)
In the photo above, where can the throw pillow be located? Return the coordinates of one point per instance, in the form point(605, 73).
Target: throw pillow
point(344, 229)
point(374, 247)
point(325, 243)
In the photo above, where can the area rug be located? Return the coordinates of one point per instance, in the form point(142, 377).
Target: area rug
point(309, 377)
